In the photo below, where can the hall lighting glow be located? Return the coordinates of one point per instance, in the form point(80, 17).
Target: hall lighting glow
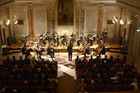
point(7, 22)
point(138, 30)
point(121, 22)
point(129, 22)
point(113, 21)
point(115, 18)
point(16, 22)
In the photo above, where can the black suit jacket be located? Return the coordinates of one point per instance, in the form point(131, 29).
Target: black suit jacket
point(69, 48)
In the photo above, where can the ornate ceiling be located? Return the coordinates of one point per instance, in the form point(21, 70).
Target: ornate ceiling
point(38, 1)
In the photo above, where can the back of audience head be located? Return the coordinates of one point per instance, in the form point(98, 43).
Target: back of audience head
point(20, 58)
point(14, 58)
point(91, 57)
point(7, 58)
point(77, 57)
point(118, 56)
point(111, 57)
point(105, 56)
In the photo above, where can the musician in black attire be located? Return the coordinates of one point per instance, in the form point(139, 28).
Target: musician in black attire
point(88, 38)
point(54, 37)
point(104, 35)
point(38, 49)
point(72, 38)
point(103, 51)
point(50, 51)
point(57, 40)
point(80, 40)
point(49, 38)
point(27, 51)
point(88, 49)
point(26, 38)
point(64, 39)
point(69, 49)
point(23, 49)
point(42, 39)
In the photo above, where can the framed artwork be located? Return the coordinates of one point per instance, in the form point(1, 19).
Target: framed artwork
point(65, 12)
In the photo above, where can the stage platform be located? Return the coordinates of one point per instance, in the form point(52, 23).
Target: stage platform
point(16, 48)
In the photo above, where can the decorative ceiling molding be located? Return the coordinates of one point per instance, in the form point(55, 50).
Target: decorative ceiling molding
point(8, 3)
point(2, 3)
point(102, 1)
point(130, 5)
point(90, 3)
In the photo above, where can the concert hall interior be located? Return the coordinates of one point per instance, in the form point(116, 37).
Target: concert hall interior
point(69, 46)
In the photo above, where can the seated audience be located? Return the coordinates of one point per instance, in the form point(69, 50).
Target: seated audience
point(103, 74)
point(28, 75)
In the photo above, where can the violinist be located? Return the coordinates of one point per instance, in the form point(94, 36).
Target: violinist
point(72, 38)
point(64, 39)
point(38, 49)
point(80, 40)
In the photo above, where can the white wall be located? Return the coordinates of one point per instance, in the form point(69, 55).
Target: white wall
point(21, 12)
point(134, 48)
point(109, 13)
point(91, 19)
point(39, 14)
point(3, 18)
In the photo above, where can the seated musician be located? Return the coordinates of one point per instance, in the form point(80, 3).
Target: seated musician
point(42, 39)
point(85, 49)
point(80, 40)
point(50, 51)
point(84, 43)
point(23, 49)
point(91, 39)
point(64, 39)
point(26, 37)
point(38, 49)
point(54, 37)
point(27, 50)
point(88, 49)
point(48, 37)
point(101, 48)
point(94, 37)
point(57, 40)
point(104, 35)
point(72, 38)
point(88, 38)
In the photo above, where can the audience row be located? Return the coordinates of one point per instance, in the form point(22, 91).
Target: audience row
point(28, 75)
point(105, 74)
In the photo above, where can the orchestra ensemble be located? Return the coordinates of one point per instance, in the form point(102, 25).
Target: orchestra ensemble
point(50, 42)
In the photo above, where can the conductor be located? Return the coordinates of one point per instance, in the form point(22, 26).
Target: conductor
point(69, 49)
